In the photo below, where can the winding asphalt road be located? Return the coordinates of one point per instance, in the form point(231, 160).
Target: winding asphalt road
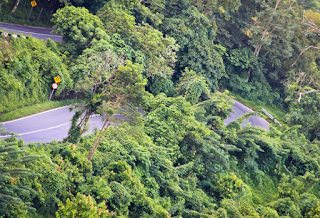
point(37, 32)
point(49, 125)
point(239, 110)
point(54, 124)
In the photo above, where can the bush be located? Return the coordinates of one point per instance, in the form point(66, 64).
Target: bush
point(267, 212)
point(83, 206)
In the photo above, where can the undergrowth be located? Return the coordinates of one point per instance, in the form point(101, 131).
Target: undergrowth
point(34, 109)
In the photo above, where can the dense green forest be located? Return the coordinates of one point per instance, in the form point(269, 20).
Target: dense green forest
point(177, 159)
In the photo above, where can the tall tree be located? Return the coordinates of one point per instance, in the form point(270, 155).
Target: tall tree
point(125, 89)
point(92, 72)
point(108, 87)
point(16, 4)
point(78, 27)
point(194, 33)
point(303, 107)
point(12, 168)
point(159, 51)
point(273, 26)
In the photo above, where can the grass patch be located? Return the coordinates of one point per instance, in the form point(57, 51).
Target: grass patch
point(34, 109)
point(276, 112)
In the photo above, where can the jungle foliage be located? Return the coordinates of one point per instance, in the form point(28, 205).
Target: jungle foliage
point(180, 161)
point(177, 158)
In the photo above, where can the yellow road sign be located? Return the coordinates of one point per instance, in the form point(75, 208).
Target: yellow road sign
point(33, 3)
point(57, 79)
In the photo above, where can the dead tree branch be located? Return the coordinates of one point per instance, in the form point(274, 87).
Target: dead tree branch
point(313, 28)
point(300, 94)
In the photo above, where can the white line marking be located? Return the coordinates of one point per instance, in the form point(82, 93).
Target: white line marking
point(26, 133)
point(35, 114)
point(54, 127)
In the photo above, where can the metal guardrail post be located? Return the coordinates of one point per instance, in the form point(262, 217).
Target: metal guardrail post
point(271, 117)
point(5, 34)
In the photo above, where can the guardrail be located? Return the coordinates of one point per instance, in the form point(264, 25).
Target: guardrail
point(271, 117)
point(5, 34)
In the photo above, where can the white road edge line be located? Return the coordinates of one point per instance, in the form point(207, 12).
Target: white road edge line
point(26, 133)
point(34, 115)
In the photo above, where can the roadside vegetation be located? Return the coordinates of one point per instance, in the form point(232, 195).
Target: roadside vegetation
point(27, 68)
point(35, 108)
point(178, 159)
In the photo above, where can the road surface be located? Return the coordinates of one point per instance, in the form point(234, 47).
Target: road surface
point(37, 32)
point(54, 124)
point(49, 125)
point(239, 110)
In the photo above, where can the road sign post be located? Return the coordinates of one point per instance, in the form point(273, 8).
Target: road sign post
point(54, 87)
point(33, 4)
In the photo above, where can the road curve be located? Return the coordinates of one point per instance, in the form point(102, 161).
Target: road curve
point(37, 32)
point(239, 110)
point(49, 125)
point(54, 124)
point(45, 33)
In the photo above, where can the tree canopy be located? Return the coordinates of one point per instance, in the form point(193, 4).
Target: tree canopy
point(159, 64)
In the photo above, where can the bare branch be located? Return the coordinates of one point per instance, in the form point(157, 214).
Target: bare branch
point(314, 28)
point(303, 51)
point(300, 94)
point(278, 1)
point(309, 23)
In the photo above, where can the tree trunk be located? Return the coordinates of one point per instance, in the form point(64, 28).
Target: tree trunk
point(87, 117)
point(247, 80)
point(84, 118)
point(16, 4)
point(263, 39)
point(96, 143)
point(103, 129)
